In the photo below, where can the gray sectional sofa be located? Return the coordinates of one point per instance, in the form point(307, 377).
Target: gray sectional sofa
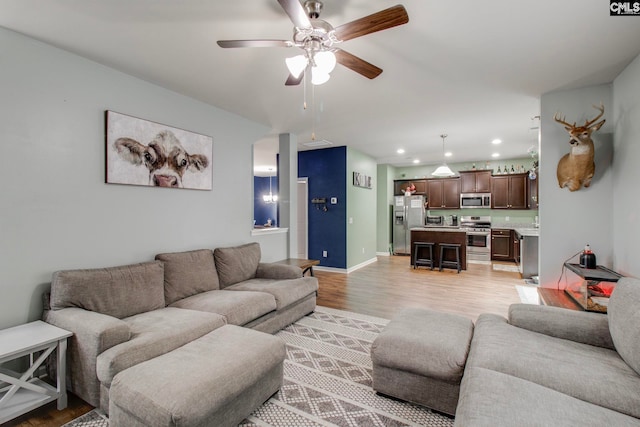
point(541, 366)
point(123, 316)
point(552, 366)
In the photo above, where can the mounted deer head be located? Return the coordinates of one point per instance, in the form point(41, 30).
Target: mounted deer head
point(576, 168)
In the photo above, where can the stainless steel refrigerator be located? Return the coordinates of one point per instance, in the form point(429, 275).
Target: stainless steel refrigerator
point(408, 212)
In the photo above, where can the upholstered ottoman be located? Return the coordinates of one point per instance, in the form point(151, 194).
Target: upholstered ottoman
point(420, 357)
point(216, 380)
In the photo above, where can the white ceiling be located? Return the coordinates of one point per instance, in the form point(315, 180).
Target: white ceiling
point(472, 69)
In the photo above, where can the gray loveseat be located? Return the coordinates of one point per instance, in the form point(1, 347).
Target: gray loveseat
point(122, 316)
point(548, 366)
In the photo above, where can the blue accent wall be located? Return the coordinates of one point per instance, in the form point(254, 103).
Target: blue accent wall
point(327, 171)
point(261, 210)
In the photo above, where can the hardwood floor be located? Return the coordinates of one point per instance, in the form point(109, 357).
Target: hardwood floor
point(379, 289)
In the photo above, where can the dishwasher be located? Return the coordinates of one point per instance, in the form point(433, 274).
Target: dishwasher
point(528, 257)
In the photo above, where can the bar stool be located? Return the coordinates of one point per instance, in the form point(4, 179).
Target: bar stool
point(445, 263)
point(428, 262)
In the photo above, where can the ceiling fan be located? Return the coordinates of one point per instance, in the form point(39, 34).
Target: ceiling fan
point(319, 40)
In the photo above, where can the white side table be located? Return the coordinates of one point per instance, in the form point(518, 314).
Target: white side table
point(21, 392)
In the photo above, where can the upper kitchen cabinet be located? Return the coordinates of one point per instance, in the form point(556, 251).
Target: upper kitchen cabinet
point(399, 185)
point(475, 181)
point(509, 191)
point(443, 193)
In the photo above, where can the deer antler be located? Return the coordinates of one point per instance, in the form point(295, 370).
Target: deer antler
point(588, 123)
point(562, 122)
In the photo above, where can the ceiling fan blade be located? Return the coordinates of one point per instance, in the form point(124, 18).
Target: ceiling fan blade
point(356, 64)
point(296, 13)
point(293, 81)
point(254, 43)
point(388, 18)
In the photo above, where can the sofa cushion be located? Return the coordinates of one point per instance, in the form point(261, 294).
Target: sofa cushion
point(237, 263)
point(594, 374)
point(237, 307)
point(286, 292)
point(115, 291)
point(188, 273)
point(152, 334)
point(493, 399)
point(624, 320)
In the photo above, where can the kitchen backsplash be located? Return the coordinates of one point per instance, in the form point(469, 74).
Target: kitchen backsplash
point(499, 217)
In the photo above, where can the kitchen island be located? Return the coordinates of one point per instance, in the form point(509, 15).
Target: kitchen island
point(440, 235)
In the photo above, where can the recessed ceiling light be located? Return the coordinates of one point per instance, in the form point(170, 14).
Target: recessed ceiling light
point(416, 161)
point(400, 151)
point(496, 141)
point(494, 155)
point(448, 154)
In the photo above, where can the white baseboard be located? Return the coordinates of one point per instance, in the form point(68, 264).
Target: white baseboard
point(345, 270)
point(329, 269)
point(383, 254)
point(362, 264)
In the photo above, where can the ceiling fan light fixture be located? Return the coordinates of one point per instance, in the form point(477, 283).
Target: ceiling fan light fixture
point(296, 65)
point(319, 77)
point(325, 61)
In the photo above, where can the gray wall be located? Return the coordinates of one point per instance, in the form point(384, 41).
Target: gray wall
point(57, 213)
point(569, 220)
point(626, 171)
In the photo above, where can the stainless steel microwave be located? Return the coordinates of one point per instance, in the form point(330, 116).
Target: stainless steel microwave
point(475, 200)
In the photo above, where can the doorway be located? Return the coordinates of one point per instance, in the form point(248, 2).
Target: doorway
point(303, 227)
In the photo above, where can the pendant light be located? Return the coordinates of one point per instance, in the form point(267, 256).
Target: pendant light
point(270, 198)
point(443, 170)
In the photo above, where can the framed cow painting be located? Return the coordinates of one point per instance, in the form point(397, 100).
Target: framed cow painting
point(141, 152)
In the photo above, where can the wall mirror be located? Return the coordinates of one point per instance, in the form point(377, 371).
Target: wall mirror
point(265, 184)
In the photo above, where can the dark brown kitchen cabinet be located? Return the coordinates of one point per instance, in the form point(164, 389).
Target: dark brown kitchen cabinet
point(475, 181)
point(502, 244)
point(509, 191)
point(443, 193)
point(399, 185)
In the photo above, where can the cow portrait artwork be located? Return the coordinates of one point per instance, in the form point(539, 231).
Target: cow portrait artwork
point(140, 152)
point(576, 168)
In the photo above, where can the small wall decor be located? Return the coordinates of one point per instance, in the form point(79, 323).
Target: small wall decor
point(141, 152)
point(576, 168)
point(361, 180)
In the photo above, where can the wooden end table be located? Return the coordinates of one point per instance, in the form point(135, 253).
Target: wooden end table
point(22, 392)
point(304, 264)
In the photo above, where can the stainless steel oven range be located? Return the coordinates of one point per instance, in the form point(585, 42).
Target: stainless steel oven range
point(478, 230)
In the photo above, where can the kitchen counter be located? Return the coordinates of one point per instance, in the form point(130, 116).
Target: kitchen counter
point(528, 232)
point(440, 235)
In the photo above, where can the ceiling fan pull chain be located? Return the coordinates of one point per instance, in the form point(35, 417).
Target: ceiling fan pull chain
point(313, 112)
point(304, 90)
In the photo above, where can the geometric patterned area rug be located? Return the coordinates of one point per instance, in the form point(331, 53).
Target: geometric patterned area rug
point(327, 380)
